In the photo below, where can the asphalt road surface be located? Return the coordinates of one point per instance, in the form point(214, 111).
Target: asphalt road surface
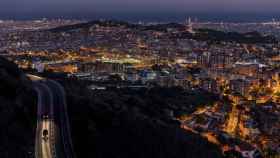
point(52, 118)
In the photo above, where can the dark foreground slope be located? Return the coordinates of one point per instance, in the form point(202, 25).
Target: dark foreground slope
point(17, 113)
point(126, 123)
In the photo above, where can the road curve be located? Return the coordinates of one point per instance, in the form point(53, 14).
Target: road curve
point(43, 148)
point(60, 110)
point(52, 103)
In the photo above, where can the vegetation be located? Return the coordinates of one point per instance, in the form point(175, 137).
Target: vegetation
point(209, 35)
point(250, 37)
point(17, 113)
point(135, 123)
point(111, 123)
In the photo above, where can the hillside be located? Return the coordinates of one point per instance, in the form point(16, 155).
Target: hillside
point(105, 124)
point(87, 25)
point(127, 123)
point(17, 113)
point(200, 35)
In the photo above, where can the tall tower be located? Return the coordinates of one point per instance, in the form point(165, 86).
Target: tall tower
point(273, 22)
point(189, 25)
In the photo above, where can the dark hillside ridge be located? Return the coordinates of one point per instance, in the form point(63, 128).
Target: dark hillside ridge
point(17, 112)
point(134, 123)
point(200, 35)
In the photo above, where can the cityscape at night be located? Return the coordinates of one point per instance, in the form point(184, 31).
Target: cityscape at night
point(123, 79)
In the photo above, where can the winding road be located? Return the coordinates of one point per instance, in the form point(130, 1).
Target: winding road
point(52, 117)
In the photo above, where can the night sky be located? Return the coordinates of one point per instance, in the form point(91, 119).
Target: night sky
point(104, 7)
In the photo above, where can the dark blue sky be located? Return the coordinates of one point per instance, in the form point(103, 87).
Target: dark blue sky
point(99, 8)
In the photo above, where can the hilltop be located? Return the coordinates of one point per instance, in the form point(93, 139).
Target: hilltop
point(201, 34)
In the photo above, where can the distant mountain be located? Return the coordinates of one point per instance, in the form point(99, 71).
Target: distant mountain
point(17, 112)
point(202, 34)
point(165, 27)
point(218, 36)
point(112, 23)
point(109, 23)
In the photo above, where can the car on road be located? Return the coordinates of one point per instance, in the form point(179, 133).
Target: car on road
point(45, 134)
point(45, 117)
